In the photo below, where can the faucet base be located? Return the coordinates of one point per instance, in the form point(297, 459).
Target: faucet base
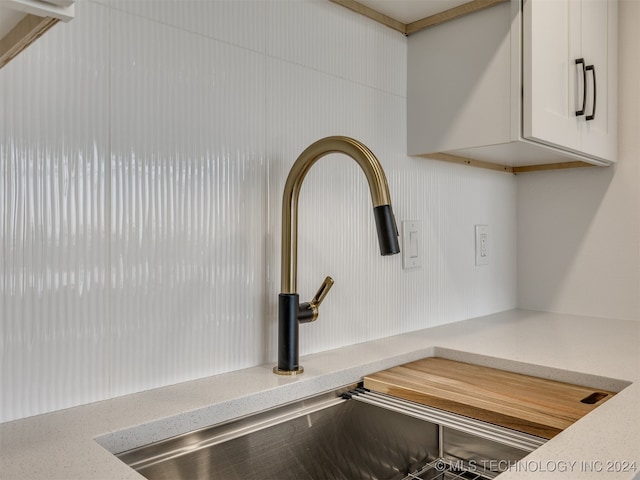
point(288, 358)
point(279, 371)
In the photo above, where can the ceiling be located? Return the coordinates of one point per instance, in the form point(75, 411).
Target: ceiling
point(408, 11)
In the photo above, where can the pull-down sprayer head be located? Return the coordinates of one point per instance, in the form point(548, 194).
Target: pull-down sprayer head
point(387, 230)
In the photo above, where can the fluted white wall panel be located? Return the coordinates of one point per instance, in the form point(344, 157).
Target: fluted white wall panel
point(240, 23)
point(188, 196)
point(345, 44)
point(54, 209)
point(145, 146)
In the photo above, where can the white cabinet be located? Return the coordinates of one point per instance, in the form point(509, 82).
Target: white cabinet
point(23, 21)
point(502, 85)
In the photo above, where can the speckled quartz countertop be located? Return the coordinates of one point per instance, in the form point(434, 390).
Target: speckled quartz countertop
point(77, 442)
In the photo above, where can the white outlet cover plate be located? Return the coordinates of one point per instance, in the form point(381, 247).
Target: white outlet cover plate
point(411, 244)
point(482, 244)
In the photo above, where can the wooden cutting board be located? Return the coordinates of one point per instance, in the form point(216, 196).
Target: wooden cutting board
point(528, 404)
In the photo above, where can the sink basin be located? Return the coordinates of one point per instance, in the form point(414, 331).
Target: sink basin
point(353, 434)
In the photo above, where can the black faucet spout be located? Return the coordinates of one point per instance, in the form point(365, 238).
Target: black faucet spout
point(387, 230)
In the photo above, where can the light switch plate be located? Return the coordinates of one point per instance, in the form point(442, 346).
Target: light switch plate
point(411, 244)
point(482, 244)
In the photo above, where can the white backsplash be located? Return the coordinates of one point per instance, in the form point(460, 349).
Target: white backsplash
point(143, 151)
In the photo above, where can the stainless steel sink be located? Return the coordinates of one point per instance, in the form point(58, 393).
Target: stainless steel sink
point(341, 435)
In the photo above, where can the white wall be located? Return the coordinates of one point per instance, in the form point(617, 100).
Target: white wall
point(143, 151)
point(579, 230)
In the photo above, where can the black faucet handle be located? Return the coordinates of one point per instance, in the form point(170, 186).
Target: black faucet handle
point(308, 312)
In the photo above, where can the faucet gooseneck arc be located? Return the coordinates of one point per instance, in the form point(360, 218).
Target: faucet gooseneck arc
point(290, 311)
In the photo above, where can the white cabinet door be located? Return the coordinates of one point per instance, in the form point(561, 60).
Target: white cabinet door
point(599, 47)
point(567, 104)
point(552, 82)
point(503, 85)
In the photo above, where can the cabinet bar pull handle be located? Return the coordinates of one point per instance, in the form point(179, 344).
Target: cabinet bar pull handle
point(593, 111)
point(584, 87)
